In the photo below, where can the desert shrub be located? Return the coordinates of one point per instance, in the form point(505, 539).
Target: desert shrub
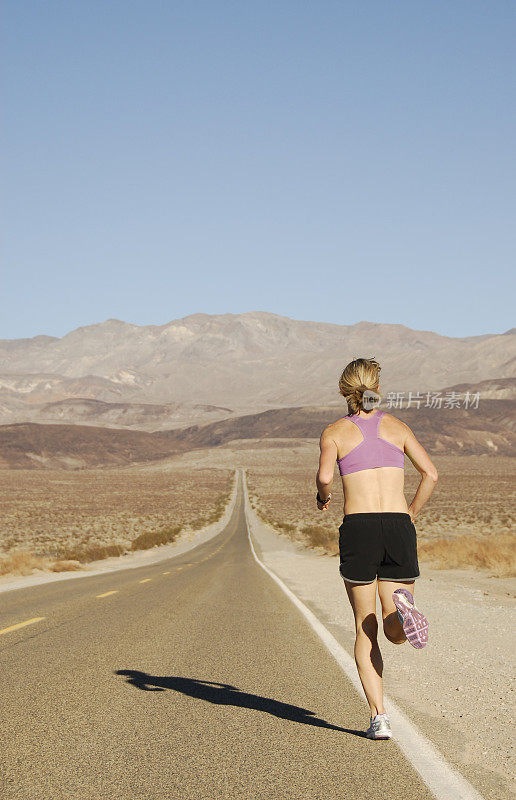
point(321, 536)
point(210, 517)
point(22, 562)
point(92, 552)
point(65, 566)
point(285, 526)
point(198, 523)
point(152, 538)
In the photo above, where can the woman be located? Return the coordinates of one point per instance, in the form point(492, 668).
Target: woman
point(377, 538)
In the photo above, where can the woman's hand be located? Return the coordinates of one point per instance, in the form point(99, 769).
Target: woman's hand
point(412, 515)
point(323, 506)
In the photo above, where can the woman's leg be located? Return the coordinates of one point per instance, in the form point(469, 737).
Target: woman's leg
point(392, 626)
point(367, 653)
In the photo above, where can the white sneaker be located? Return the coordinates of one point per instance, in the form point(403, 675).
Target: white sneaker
point(379, 728)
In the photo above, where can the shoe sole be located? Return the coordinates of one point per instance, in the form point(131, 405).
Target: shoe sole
point(415, 624)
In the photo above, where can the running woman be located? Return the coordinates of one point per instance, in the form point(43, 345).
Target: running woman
point(377, 537)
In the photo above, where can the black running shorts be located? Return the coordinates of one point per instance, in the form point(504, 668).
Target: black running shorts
point(378, 544)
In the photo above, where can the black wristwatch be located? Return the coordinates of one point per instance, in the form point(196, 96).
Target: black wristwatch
point(320, 500)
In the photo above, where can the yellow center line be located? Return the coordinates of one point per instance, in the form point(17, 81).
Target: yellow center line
point(167, 573)
point(106, 594)
point(21, 624)
point(145, 580)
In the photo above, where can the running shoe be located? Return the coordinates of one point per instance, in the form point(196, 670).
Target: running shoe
point(379, 728)
point(414, 623)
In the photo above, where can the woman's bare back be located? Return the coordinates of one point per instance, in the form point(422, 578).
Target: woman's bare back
point(378, 489)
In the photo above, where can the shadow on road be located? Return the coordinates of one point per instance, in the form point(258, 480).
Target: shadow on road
point(225, 694)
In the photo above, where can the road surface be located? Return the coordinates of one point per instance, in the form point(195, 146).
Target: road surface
point(192, 679)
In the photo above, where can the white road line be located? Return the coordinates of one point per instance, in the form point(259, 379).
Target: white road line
point(444, 782)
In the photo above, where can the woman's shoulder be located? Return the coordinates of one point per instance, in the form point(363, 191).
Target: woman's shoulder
point(332, 428)
point(337, 422)
point(395, 427)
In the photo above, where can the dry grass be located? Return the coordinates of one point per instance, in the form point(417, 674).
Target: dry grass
point(496, 553)
point(23, 562)
point(57, 519)
point(153, 538)
point(321, 536)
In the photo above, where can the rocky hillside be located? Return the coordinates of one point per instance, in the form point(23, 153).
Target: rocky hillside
point(213, 367)
point(488, 429)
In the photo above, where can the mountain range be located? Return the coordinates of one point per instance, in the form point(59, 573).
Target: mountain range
point(204, 368)
point(489, 429)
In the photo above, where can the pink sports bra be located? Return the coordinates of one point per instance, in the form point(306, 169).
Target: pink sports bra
point(373, 451)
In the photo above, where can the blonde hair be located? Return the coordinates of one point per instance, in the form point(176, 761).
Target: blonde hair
point(360, 375)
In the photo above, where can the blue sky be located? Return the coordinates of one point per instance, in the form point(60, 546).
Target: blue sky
point(332, 161)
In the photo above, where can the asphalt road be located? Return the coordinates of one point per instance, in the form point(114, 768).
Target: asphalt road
point(192, 679)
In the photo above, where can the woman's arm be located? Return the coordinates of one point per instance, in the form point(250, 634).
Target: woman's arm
point(327, 458)
point(424, 465)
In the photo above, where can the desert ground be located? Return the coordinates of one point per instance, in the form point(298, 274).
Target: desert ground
point(59, 519)
point(88, 514)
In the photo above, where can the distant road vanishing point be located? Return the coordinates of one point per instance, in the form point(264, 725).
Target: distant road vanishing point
point(192, 679)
